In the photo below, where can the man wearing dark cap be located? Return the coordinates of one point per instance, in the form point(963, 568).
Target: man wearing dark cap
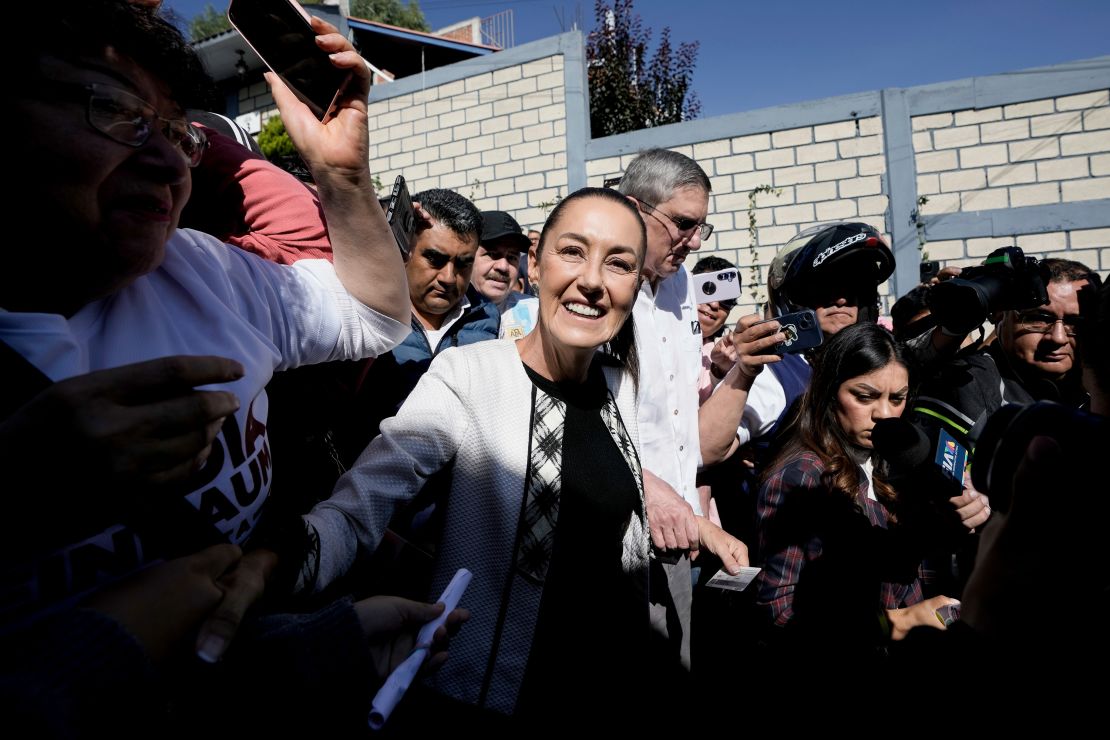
point(496, 263)
point(496, 267)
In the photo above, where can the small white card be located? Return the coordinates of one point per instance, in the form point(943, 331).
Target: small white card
point(723, 579)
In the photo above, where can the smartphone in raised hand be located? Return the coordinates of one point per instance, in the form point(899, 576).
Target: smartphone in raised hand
point(279, 32)
point(802, 332)
point(929, 270)
point(723, 285)
point(401, 216)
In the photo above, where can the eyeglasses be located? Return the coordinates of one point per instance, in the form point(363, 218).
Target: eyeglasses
point(130, 120)
point(682, 224)
point(1044, 323)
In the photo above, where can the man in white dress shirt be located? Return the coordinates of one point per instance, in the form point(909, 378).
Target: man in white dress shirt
point(672, 194)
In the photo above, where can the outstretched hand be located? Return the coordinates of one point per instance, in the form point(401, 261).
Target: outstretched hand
point(140, 424)
point(391, 625)
point(922, 614)
point(732, 552)
point(242, 586)
point(162, 605)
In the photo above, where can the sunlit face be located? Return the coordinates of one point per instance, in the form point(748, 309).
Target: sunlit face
point(104, 208)
point(438, 271)
point(1051, 354)
point(667, 246)
point(711, 317)
point(587, 274)
point(496, 266)
point(864, 399)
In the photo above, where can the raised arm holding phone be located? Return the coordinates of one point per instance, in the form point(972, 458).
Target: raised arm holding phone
point(152, 344)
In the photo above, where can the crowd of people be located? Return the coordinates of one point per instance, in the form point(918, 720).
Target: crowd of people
point(248, 441)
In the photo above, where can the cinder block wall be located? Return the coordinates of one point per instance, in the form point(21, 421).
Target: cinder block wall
point(498, 137)
point(1008, 159)
point(820, 173)
point(1039, 152)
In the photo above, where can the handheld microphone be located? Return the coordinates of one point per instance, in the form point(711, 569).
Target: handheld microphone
point(929, 459)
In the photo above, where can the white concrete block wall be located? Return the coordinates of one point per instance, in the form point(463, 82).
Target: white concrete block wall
point(1089, 246)
point(820, 173)
point(498, 138)
point(1055, 150)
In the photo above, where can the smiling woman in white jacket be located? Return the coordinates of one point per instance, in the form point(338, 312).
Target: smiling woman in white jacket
point(545, 505)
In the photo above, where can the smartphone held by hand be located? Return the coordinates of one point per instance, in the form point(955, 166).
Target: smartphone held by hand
point(802, 332)
point(723, 285)
point(281, 35)
point(401, 216)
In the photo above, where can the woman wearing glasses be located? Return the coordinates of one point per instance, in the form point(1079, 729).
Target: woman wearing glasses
point(136, 355)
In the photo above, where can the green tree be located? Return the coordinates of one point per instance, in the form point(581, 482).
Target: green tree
point(208, 22)
point(393, 12)
point(627, 92)
point(274, 140)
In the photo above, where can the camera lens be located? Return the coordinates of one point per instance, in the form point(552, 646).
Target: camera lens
point(709, 288)
point(1004, 440)
point(805, 321)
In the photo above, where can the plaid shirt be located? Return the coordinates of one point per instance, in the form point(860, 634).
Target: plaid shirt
point(846, 545)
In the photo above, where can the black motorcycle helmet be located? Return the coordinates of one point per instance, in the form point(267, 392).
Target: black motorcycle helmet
point(844, 258)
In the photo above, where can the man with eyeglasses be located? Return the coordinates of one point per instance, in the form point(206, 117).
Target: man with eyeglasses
point(672, 194)
point(1034, 356)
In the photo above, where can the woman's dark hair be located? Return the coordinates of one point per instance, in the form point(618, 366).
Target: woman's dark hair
point(621, 348)
point(856, 350)
point(88, 28)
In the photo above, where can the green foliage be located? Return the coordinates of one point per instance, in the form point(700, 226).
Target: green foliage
point(627, 93)
point(277, 147)
point(274, 140)
point(393, 12)
point(547, 205)
point(208, 22)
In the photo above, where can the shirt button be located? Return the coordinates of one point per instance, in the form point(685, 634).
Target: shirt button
point(681, 448)
point(672, 376)
point(676, 412)
point(664, 340)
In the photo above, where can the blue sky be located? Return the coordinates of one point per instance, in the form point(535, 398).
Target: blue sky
point(759, 54)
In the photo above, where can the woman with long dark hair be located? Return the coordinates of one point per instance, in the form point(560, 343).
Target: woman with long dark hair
point(840, 550)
